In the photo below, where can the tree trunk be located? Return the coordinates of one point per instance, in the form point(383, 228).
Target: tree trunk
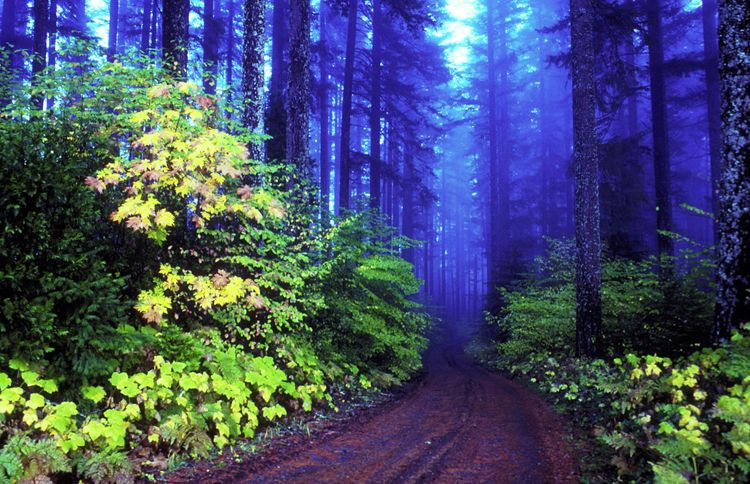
point(148, 7)
point(375, 106)
point(662, 171)
point(114, 17)
point(298, 98)
point(493, 250)
point(175, 37)
point(408, 195)
point(346, 109)
point(254, 26)
point(276, 121)
point(210, 47)
point(325, 147)
point(713, 99)
point(588, 271)
point(230, 48)
point(155, 37)
point(39, 59)
point(733, 299)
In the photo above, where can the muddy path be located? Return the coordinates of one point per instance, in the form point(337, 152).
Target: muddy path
point(462, 423)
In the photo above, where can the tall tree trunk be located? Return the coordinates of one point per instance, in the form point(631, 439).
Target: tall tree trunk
point(588, 270)
point(346, 109)
point(230, 48)
point(504, 157)
point(325, 147)
point(276, 121)
point(733, 299)
point(375, 106)
point(39, 59)
point(298, 93)
point(408, 197)
point(114, 17)
point(52, 43)
point(254, 26)
point(210, 47)
point(148, 7)
point(175, 37)
point(155, 37)
point(493, 251)
point(662, 166)
point(713, 98)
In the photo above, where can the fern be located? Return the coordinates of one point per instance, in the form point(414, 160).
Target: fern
point(31, 460)
point(186, 437)
point(108, 466)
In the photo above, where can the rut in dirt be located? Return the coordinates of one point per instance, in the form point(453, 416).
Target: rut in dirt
point(461, 424)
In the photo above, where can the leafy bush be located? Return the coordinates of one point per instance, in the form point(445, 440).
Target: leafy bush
point(168, 295)
point(672, 420)
point(640, 311)
point(369, 320)
point(61, 300)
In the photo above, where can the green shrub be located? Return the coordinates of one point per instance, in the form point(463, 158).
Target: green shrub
point(640, 311)
point(166, 292)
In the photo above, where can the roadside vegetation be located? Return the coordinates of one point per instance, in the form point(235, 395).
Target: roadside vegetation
point(164, 295)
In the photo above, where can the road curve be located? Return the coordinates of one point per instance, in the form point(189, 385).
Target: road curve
point(461, 424)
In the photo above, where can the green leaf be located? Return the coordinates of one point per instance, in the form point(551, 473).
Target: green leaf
point(95, 394)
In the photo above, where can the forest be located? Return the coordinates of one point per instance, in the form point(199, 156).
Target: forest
point(465, 240)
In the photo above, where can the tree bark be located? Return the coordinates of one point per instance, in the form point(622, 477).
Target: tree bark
point(230, 47)
point(733, 298)
point(175, 37)
point(114, 17)
point(298, 92)
point(39, 59)
point(662, 165)
point(346, 109)
point(713, 99)
point(588, 271)
point(325, 147)
point(210, 47)
point(493, 259)
point(148, 7)
point(277, 116)
point(254, 25)
point(375, 106)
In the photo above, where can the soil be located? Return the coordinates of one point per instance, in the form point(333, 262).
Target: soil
point(460, 423)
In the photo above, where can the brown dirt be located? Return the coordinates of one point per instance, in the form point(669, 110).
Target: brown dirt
point(461, 423)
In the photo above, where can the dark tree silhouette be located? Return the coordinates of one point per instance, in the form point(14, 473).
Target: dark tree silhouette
point(733, 299)
point(588, 266)
point(175, 37)
point(346, 109)
point(662, 165)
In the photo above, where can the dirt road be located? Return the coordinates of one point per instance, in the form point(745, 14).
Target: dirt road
point(461, 424)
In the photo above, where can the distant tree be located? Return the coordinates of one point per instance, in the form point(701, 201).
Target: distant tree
point(211, 32)
point(713, 96)
point(375, 101)
point(39, 59)
point(175, 36)
point(588, 264)
point(254, 25)
point(659, 128)
point(346, 109)
point(149, 9)
point(494, 209)
point(733, 299)
point(323, 99)
point(298, 92)
point(114, 17)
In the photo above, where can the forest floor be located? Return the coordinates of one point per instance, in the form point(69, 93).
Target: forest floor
point(459, 423)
